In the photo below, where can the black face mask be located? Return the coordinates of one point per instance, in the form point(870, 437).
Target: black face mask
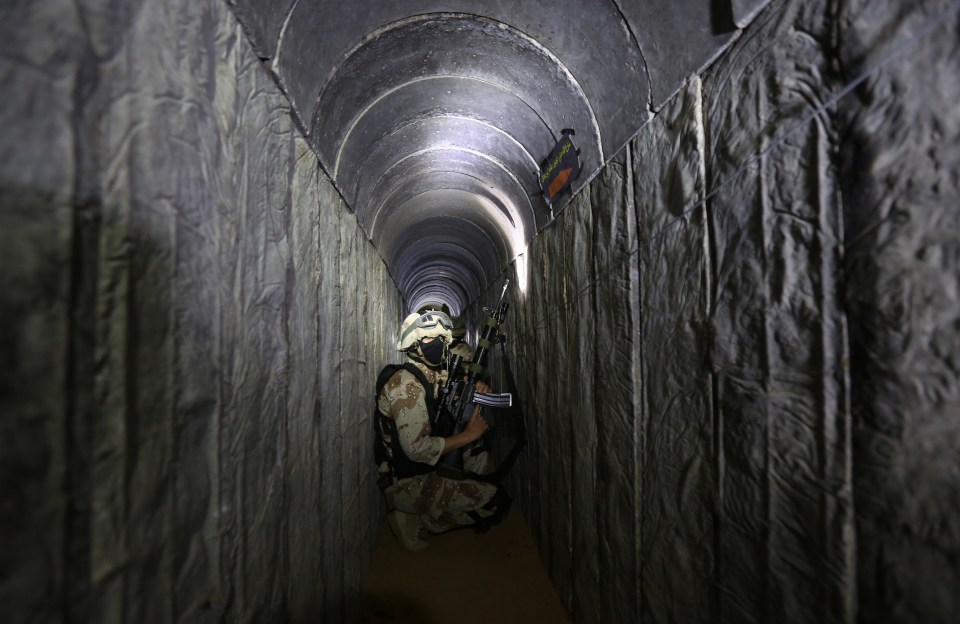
point(433, 352)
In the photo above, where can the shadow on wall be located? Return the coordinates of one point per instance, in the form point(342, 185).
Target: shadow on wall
point(721, 17)
point(138, 448)
point(172, 281)
point(172, 409)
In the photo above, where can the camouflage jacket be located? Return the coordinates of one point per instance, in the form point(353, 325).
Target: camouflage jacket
point(403, 400)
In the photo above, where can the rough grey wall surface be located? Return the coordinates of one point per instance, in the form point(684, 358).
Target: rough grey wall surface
point(709, 441)
point(188, 310)
point(779, 341)
point(901, 171)
point(676, 523)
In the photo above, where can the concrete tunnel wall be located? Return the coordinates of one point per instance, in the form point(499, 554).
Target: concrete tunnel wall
point(739, 341)
point(191, 325)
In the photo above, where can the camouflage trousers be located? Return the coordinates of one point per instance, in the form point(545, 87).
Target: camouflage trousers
point(443, 503)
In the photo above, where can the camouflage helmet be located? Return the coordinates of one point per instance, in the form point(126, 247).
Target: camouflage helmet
point(459, 329)
point(427, 325)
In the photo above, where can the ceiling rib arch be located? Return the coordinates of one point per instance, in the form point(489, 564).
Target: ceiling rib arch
point(414, 105)
point(464, 228)
point(497, 54)
point(422, 134)
point(466, 97)
point(412, 172)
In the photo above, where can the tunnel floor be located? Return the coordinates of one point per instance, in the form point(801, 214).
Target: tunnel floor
point(462, 577)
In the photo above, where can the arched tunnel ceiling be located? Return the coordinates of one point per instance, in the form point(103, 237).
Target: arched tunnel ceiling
point(432, 117)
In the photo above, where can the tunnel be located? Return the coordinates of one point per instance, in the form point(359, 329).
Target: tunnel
point(734, 330)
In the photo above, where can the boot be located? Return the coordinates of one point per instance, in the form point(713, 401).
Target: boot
point(408, 529)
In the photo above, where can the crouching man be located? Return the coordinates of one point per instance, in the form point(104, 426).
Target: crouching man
point(409, 417)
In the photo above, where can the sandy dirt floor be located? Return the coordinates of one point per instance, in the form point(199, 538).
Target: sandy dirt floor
point(462, 578)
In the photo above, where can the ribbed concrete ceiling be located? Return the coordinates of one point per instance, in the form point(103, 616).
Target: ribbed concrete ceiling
point(432, 117)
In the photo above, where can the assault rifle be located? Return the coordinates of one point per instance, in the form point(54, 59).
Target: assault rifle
point(460, 392)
